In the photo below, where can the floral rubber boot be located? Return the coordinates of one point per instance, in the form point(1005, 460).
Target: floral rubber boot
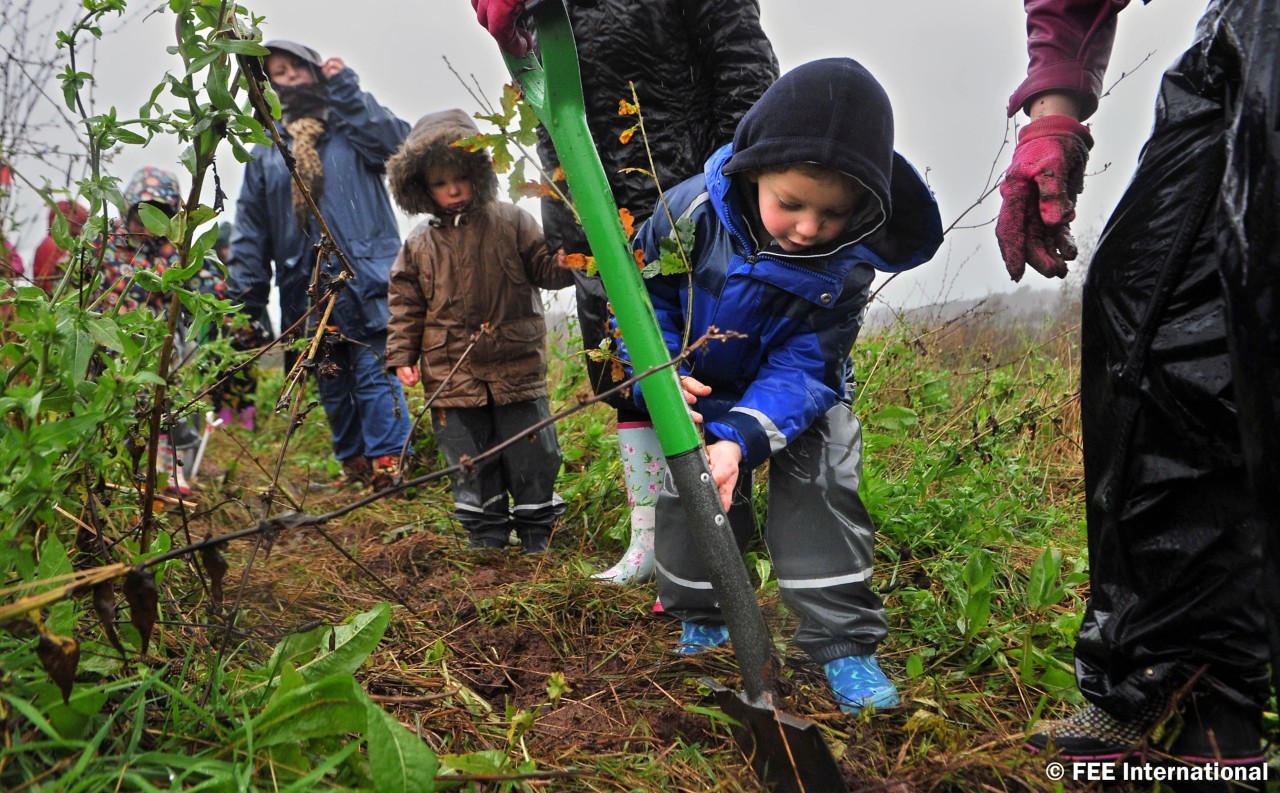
point(643, 467)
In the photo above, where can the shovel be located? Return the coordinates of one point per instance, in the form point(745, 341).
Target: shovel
point(788, 753)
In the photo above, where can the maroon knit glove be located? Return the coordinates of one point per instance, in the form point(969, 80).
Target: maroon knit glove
point(499, 17)
point(1039, 192)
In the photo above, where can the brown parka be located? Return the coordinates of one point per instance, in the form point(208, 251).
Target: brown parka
point(460, 273)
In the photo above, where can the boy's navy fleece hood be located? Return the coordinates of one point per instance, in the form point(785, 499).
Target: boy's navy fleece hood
point(831, 112)
point(834, 113)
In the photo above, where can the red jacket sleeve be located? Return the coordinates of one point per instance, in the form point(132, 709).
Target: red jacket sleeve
point(1069, 45)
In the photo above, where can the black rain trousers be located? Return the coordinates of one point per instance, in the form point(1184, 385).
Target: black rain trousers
point(1180, 386)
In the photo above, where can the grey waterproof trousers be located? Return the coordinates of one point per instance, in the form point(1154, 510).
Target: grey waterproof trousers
point(819, 536)
point(514, 490)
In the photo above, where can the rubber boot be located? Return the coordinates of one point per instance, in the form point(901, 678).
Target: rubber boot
point(858, 683)
point(636, 565)
point(643, 467)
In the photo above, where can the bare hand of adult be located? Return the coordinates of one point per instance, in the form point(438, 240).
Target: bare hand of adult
point(1039, 196)
point(332, 66)
point(692, 390)
point(408, 376)
point(724, 457)
point(499, 17)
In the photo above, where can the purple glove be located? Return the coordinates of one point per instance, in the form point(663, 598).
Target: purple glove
point(499, 17)
point(1039, 192)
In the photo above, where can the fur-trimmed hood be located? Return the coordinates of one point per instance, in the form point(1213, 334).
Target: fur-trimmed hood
point(428, 146)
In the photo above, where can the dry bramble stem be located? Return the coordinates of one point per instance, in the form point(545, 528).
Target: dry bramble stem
point(269, 527)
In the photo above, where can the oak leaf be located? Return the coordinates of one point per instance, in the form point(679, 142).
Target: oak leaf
point(578, 261)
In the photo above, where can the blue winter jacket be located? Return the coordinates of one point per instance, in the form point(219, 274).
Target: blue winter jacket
point(799, 313)
point(361, 134)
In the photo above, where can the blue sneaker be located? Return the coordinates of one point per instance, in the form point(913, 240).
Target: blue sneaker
point(694, 637)
point(858, 682)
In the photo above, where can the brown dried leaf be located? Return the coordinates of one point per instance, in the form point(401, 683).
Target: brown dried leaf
point(104, 605)
point(143, 598)
point(618, 373)
point(59, 655)
point(88, 544)
point(217, 568)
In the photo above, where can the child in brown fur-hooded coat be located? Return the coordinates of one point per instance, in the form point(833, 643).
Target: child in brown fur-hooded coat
point(473, 270)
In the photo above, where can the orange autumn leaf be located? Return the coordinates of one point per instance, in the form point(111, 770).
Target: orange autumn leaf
point(537, 189)
point(558, 174)
point(626, 108)
point(639, 254)
point(619, 374)
point(628, 222)
point(577, 261)
point(625, 137)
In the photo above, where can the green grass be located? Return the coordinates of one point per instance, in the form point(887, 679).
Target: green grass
point(526, 673)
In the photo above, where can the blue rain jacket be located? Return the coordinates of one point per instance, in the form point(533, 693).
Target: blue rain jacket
point(799, 313)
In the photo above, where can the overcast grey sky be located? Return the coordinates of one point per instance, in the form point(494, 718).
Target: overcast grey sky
point(948, 67)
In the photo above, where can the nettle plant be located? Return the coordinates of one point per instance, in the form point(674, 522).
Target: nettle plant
point(88, 700)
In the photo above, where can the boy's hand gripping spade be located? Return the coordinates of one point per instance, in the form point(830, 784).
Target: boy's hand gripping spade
point(788, 753)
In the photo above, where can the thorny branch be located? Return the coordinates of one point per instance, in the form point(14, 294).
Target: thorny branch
point(268, 528)
point(471, 343)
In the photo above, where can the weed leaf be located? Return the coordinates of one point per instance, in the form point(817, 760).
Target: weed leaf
point(335, 705)
point(400, 761)
point(1042, 588)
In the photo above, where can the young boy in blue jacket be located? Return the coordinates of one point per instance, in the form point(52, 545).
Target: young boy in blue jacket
point(791, 221)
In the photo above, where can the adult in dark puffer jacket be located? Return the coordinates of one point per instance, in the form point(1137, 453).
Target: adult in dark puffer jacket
point(698, 66)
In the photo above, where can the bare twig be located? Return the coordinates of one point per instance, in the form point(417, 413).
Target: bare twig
point(404, 450)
